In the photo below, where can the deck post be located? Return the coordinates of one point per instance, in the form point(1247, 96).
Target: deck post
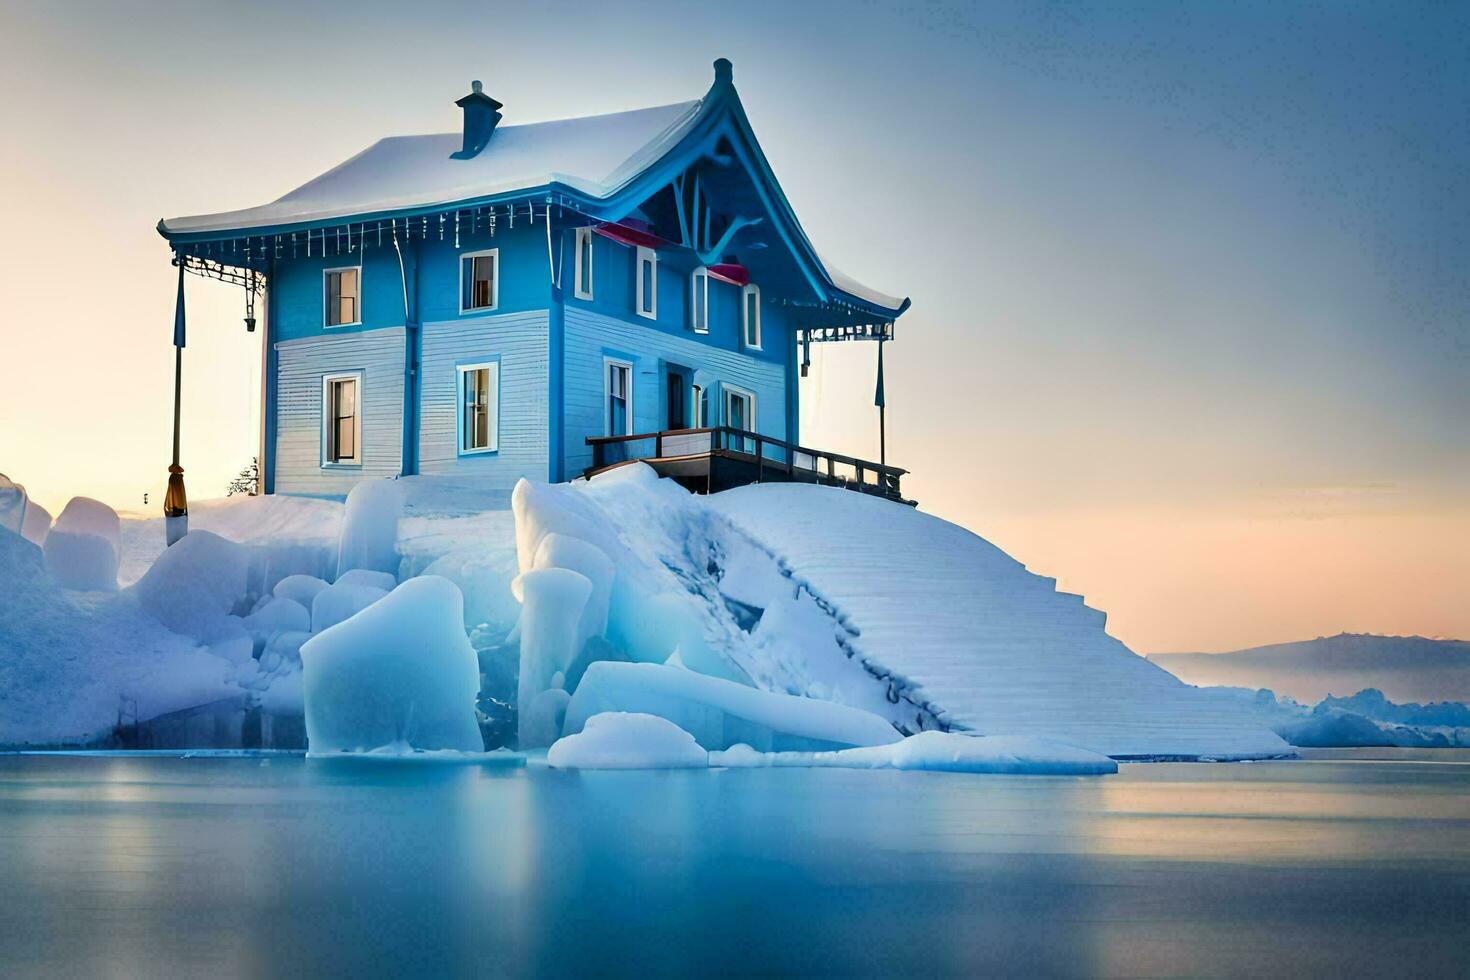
point(760, 461)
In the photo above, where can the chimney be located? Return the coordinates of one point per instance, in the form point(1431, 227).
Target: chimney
point(481, 113)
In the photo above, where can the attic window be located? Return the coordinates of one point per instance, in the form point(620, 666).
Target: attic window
point(699, 300)
point(583, 286)
point(340, 287)
point(647, 286)
point(750, 311)
point(479, 281)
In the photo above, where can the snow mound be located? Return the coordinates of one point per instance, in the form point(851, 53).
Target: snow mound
point(940, 752)
point(83, 546)
point(399, 672)
point(720, 713)
point(341, 602)
point(962, 631)
point(370, 527)
point(70, 671)
point(195, 584)
point(278, 614)
point(299, 588)
point(623, 740)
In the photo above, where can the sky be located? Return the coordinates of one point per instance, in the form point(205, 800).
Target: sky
point(1191, 300)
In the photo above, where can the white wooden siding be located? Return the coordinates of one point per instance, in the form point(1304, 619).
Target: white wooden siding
point(591, 336)
point(520, 341)
point(378, 354)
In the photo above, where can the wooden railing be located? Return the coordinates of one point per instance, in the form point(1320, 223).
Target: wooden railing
point(772, 459)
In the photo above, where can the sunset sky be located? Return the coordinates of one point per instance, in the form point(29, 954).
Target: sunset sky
point(1191, 282)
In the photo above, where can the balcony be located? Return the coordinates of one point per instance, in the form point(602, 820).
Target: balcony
point(709, 460)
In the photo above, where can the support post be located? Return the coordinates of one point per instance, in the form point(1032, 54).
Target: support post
point(880, 398)
point(175, 501)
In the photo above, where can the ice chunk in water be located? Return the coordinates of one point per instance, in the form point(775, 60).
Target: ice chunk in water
point(620, 740)
point(363, 576)
point(553, 600)
point(195, 584)
point(940, 752)
point(83, 546)
point(588, 560)
point(399, 672)
point(370, 527)
point(719, 713)
point(340, 602)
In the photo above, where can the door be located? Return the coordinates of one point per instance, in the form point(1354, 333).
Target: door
point(740, 414)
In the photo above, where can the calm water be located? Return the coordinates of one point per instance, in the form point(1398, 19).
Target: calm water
point(165, 866)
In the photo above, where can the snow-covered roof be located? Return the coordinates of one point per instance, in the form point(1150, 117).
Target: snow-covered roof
point(594, 154)
point(599, 159)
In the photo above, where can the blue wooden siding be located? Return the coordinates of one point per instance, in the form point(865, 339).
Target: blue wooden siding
point(302, 364)
point(519, 340)
point(590, 336)
point(525, 279)
point(614, 267)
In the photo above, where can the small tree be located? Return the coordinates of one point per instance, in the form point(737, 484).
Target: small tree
point(248, 482)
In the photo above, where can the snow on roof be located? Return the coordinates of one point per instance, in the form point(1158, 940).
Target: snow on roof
point(851, 286)
point(593, 154)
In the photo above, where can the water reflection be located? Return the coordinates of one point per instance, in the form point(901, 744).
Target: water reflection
point(225, 866)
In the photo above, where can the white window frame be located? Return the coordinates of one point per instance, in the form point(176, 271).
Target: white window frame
point(493, 430)
point(748, 291)
point(494, 255)
point(699, 299)
point(327, 301)
point(650, 257)
point(729, 390)
point(609, 362)
point(584, 237)
point(329, 423)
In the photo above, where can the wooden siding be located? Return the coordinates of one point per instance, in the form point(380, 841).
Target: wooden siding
point(378, 354)
point(519, 340)
point(592, 336)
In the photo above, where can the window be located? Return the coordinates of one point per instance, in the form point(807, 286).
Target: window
point(583, 286)
point(647, 283)
point(699, 300)
point(619, 411)
point(479, 408)
point(479, 281)
point(342, 420)
point(341, 295)
point(750, 312)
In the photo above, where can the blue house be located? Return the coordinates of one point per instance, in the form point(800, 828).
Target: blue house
point(540, 301)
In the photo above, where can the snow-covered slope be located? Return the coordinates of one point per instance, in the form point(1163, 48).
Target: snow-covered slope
point(965, 630)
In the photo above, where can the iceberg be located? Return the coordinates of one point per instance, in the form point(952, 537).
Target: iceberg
point(399, 673)
point(623, 740)
point(720, 713)
point(340, 602)
point(553, 599)
point(370, 528)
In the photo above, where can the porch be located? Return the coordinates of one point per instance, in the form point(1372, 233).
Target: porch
point(708, 460)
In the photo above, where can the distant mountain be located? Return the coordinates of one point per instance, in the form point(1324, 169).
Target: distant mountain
point(1404, 668)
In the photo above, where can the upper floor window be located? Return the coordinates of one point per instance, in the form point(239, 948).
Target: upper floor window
point(619, 397)
point(342, 419)
point(750, 315)
point(479, 401)
point(341, 289)
point(583, 285)
point(479, 280)
point(647, 286)
point(699, 300)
